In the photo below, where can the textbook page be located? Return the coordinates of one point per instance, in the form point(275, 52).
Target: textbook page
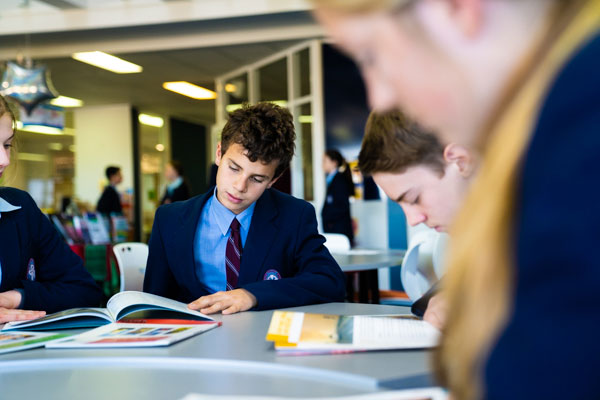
point(125, 303)
point(389, 331)
point(131, 335)
point(70, 318)
point(17, 341)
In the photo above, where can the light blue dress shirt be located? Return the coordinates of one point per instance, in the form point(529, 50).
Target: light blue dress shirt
point(174, 185)
point(5, 206)
point(210, 241)
point(330, 177)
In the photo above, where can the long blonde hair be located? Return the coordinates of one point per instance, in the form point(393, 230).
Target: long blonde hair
point(480, 278)
point(5, 109)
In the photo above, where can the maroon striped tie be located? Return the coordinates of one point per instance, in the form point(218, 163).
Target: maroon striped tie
point(233, 255)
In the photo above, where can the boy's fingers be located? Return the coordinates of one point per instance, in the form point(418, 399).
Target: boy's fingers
point(204, 301)
point(8, 315)
point(232, 309)
point(227, 302)
point(216, 307)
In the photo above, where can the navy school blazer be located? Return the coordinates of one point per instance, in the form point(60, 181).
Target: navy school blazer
point(336, 209)
point(61, 281)
point(550, 347)
point(109, 201)
point(283, 240)
point(180, 193)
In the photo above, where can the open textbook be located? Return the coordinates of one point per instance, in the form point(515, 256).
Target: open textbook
point(298, 333)
point(120, 334)
point(16, 341)
point(124, 306)
point(410, 394)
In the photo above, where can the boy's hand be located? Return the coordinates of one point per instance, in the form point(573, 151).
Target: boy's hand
point(228, 302)
point(8, 315)
point(436, 311)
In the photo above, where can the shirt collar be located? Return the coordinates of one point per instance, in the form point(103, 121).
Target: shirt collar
point(175, 184)
point(5, 206)
point(224, 216)
point(330, 176)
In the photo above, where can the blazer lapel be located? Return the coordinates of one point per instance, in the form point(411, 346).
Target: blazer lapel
point(11, 250)
point(263, 230)
point(182, 241)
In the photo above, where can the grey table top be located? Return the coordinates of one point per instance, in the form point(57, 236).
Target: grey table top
point(232, 359)
point(367, 259)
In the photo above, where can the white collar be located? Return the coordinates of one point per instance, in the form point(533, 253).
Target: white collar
point(5, 206)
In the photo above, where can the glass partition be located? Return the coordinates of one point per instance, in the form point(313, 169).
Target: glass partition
point(305, 133)
point(273, 82)
point(237, 92)
point(302, 81)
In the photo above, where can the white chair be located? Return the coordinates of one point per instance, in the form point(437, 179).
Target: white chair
point(336, 242)
point(423, 263)
point(131, 258)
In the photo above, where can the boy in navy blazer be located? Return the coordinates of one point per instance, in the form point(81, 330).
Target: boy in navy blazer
point(244, 245)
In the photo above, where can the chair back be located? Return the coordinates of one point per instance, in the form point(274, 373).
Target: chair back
point(336, 242)
point(423, 263)
point(131, 258)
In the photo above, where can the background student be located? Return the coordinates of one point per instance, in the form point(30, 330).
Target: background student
point(38, 271)
point(244, 245)
point(177, 187)
point(529, 227)
point(336, 209)
point(428, 179)
point(110, 200)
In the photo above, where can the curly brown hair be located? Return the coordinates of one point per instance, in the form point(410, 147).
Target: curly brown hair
point(393, 143)
point(265, 130)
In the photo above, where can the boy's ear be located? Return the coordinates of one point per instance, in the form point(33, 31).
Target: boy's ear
point(218, 154)
point(461, 157)
point(273, 181)
point(469, 15)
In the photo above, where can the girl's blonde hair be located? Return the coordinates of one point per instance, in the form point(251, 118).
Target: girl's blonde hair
point(5, 109)
point(480, 279)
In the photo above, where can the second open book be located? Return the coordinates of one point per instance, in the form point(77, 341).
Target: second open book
point(298, 333)
point(124, 306)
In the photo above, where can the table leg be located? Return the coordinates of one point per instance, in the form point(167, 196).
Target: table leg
point(363, 287)
point(109, 255)
point(374, 285)
point(350, 287)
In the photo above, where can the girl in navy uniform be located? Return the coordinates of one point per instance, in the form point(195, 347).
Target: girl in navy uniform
point(38, 271)
point(336, 210)
point(177, 187)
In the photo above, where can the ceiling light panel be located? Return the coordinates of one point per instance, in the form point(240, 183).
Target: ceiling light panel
point(109, 62)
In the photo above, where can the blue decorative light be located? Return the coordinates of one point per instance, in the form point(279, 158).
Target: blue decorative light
point(28, 86)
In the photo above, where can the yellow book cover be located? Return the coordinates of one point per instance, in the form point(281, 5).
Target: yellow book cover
point(305, 333)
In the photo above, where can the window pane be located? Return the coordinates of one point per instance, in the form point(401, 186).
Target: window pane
point(44, 165)
point(305, 123)
point(302, 62)
point(273, 82)
point(236, 90)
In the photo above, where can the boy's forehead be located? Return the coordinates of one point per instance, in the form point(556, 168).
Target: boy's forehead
point(240, 155)
point(409, 176)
